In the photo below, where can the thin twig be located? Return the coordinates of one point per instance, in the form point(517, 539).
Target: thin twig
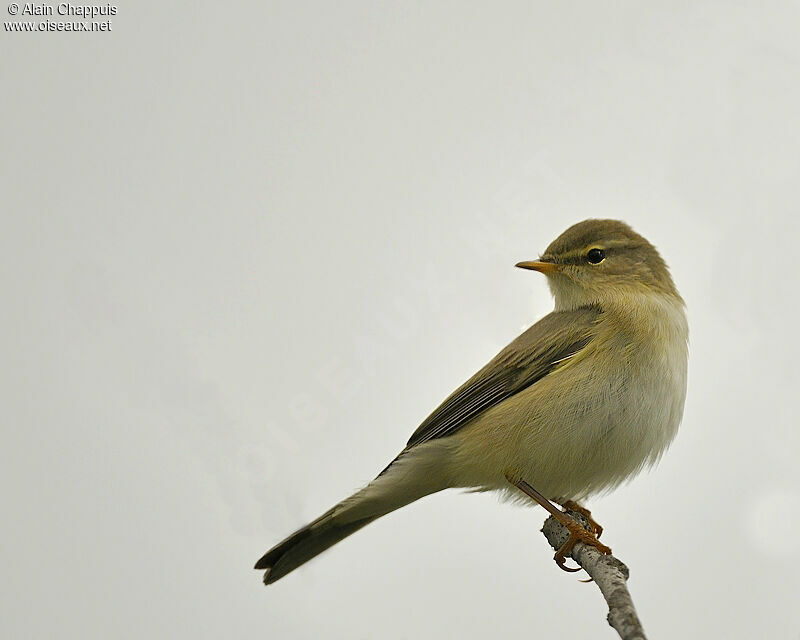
point(607, 572)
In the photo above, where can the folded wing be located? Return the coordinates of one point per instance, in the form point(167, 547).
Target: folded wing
point(533, 355)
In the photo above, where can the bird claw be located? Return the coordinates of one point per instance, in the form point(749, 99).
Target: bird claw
point(595, 527)
point(561, 561)
point(577, 534)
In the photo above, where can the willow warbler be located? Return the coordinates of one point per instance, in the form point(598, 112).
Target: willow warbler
point(581, 401)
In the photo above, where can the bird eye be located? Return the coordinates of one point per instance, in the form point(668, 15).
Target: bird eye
point(596, 256)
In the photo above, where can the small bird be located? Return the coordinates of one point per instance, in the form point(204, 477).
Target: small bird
point(581, 401)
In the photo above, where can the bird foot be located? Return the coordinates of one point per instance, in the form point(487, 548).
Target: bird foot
point(576, 534)
point(576, 531)
point(594, 526)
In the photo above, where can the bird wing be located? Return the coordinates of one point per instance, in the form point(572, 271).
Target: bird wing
point(529, 358)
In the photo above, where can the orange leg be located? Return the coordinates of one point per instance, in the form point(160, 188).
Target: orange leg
point(576, 532)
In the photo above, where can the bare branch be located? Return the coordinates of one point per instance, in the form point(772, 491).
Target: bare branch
point(609, 574)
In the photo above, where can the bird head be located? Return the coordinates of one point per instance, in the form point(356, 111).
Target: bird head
point(597, 261)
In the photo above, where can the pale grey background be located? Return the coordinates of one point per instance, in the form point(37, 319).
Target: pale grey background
point(247, 247)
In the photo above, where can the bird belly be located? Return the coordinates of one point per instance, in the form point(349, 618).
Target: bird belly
point(583, 429)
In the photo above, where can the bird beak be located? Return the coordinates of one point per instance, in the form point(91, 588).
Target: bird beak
point(540, 266)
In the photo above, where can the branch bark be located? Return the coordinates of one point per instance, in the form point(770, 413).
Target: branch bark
point(609, 573)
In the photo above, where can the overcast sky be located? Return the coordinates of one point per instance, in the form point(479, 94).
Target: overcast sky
point(247, 248)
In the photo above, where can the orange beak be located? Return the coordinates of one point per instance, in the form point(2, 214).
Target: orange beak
point(538, 265)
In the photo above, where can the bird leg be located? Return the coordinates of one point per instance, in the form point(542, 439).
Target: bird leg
point(595, 527)
point(576, 532)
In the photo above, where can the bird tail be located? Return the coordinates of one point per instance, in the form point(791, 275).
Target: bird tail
point(407, 479)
